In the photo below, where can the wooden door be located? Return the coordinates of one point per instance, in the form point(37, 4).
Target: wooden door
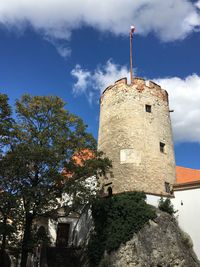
point(62, 235)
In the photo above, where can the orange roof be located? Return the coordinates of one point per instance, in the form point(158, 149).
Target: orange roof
point(79, 159)
point(186, 175)
point(83, 155)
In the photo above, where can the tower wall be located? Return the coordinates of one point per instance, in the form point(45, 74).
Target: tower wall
point(138, 142)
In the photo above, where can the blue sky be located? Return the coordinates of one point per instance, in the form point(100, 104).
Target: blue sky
point(74, 51)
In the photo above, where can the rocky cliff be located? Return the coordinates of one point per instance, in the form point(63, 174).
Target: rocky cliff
point(161, 243)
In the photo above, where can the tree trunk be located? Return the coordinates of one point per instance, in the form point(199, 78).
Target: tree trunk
point(26, 238)
point(3, 244)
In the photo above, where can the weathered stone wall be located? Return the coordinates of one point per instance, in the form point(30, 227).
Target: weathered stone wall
point(161, 243)
point(131, 137)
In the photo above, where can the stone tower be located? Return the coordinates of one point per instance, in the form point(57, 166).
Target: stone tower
point(135, 133)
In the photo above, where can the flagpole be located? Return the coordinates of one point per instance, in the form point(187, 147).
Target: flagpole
point(131, 54)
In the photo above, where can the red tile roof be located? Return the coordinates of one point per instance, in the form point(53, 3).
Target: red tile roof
point(187, 175)
point(79, 159)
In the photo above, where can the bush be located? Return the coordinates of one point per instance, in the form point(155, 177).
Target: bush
point(116, 219)
point(166, 206)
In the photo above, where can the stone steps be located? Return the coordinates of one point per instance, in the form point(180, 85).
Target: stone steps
point(63, 257)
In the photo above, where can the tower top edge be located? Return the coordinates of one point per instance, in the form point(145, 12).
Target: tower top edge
point(139, 84)
point(136, 81)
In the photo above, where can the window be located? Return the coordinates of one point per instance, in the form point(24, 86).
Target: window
point(167, 187)
point(148, 108)
point(109, 191)
point(162, 147)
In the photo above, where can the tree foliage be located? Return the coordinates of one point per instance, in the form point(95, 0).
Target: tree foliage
point(6, 123)
point(8, 198)
point(116, 219)
point(45, 137)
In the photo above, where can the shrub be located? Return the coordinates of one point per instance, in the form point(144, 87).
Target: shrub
point(166, 206)
point(116, 219)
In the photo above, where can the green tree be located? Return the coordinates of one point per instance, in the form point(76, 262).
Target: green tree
point(9, 215)
point(7, 202)
point(6, 123)
point(46, 138)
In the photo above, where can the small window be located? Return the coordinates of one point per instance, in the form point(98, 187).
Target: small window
point(148, 108)
point(167, 187)
point(162, 147)
point(109, 191)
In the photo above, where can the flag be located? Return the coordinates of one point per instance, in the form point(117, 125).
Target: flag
point(132, 31)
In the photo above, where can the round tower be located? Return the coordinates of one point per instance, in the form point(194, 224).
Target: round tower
point(135, 133)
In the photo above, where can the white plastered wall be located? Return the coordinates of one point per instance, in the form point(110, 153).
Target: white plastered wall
point(152, 200)
point(187, 202)
point(79, 228)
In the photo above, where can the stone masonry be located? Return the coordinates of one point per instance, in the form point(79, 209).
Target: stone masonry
point(135, 133)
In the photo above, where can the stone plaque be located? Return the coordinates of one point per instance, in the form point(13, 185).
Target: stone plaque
point(129, 155)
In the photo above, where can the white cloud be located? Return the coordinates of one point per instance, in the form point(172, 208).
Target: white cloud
point(108, 74)
point(63, 51)
point(184, 96)
point(198, 4)
point(62, 47)
point(93, 83)
point(169, 20)
point(83, 79)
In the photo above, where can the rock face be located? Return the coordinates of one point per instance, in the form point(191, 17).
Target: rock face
point(161, 243)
